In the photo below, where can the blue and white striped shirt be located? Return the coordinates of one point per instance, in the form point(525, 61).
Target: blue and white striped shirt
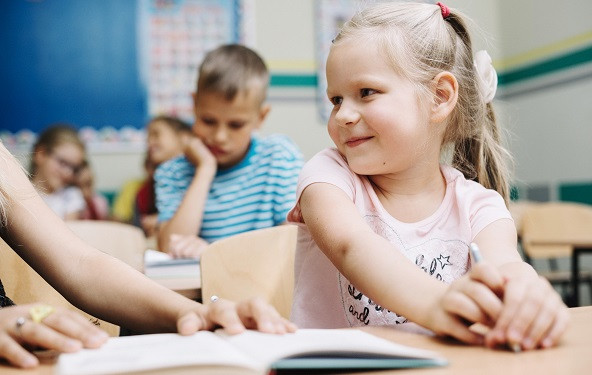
point(256, 193)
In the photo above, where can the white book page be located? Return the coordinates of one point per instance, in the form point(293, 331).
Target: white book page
point(155, 256)
point(266, 348)
point(144, 352)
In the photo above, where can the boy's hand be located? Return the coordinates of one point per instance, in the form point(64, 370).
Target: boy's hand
point(198, 154)
point(533, 314)
point(474, 298)
point(183, 246)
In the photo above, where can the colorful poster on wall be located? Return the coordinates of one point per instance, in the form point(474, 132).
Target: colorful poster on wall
point(131, 75)
point(175, 36)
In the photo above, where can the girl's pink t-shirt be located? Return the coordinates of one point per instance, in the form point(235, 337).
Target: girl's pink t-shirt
point(438, 244)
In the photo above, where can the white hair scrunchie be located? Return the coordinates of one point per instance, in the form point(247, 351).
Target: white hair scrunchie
point(486, 75)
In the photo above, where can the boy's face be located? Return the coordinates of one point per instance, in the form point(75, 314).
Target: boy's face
point(225, 127)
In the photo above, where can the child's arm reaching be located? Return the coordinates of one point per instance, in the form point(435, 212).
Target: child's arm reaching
point(533, 314)
point(371, 263)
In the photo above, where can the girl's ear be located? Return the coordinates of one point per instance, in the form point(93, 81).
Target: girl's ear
point(445, 96)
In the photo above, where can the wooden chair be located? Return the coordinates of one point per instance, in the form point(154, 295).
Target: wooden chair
point(552, 231)
point(122, 241)
point(23, 285)
point(257, 263)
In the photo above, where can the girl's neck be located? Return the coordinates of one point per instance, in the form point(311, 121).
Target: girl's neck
point(412, 196)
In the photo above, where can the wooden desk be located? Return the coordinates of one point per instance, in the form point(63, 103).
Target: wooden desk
point(573, 250)
point(555, 230)
point(575, 270)
point(573, 356)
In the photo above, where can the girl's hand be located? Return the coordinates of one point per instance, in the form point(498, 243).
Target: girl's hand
point(62, 330)
point(533, 315)
point(198, 154)
point(474, 298)
point(182, 246)
point(234, 317)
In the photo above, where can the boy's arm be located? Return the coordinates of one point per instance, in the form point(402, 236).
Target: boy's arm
point(375, 267)
point(188, 217)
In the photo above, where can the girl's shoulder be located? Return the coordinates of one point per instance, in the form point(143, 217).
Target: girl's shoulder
point(329, 156)
point(456, 177)
point(329, 165)
point(470, 192)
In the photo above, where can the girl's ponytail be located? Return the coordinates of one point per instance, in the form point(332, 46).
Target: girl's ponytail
point(482, 158)
point(478, 151)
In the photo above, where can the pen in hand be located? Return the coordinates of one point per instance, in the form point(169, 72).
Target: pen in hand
point(477, 258)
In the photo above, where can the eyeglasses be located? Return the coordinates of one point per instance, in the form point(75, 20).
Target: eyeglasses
point(64, 164)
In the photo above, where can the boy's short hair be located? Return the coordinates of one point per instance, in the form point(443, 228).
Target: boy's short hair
point(231, 69)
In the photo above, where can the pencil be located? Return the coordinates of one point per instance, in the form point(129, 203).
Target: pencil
point(476, 255)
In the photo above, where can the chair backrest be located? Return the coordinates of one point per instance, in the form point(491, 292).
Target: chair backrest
point(517, 210)
point(23, 285)
point(258, 263)
point(551, 230)
point(122, 241)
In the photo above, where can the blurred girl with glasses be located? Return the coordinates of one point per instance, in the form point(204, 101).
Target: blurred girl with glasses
point(57, 157)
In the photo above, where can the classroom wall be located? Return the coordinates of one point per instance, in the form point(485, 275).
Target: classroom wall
point(547, 117)
point(285, 36)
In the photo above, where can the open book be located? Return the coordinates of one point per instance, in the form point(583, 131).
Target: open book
point(306, 349)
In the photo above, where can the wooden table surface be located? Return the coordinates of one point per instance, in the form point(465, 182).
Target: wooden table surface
point(572, 356)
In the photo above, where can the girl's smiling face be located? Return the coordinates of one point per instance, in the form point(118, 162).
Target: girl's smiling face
point(378, 121)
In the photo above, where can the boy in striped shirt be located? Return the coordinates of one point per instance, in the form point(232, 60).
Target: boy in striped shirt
point(230, 180)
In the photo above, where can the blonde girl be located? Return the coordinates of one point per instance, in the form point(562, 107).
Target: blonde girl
point(78, 271)
point(385, 224)
point(58, 155)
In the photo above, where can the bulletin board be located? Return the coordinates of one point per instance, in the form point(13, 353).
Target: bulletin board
point(175, 35)
point(107, 66)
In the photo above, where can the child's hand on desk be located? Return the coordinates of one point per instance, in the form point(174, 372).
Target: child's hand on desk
point(234, 317)
point(56, 329)
point(533, 314)
point(183, 246)
point(474, 298)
